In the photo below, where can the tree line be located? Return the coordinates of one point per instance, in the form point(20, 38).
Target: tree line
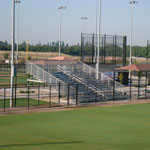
point(75, 50)
point(49, 47)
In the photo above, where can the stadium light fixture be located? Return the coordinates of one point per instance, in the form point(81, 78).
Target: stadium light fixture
point(60, 8)
point(12, 54)
point(132, 2)
point(83, 24)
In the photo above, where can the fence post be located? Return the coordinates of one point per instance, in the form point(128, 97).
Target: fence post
point(96, 94)
point(82, 41)
point(13, 97)
point(146, 86)
point(32, 79)
point(28, 97)
point(93, 48)
point(104, 47)
point(139, 87)
point(68, 96)
point(49, 96)
point(39, 94)
point(115, 48)
point(59, 94)
point(4, 98)
point(76, 94)
point(130, 85)
point(124, 50)
point(114, 88)
point(113, 52)
point(15, 94)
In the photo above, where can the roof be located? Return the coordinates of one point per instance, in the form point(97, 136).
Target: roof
point(113, 58)
point(40, 62)
point(136, 67)
point(61, 58)
point(55, 61)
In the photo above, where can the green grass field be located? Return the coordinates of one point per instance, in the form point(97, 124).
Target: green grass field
point(21, 102)
point(103, 128)
point(5, 78)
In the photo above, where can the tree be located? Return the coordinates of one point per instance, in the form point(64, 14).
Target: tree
point(6, 56)
point(6, 43)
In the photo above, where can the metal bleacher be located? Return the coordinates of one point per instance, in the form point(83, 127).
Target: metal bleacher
point(76, 73)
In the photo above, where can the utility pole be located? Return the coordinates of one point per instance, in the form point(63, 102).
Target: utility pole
point(12, 54)
point(83, 24)
point(132, 2)
point(17, 54)
point(60, 8)
point(95, 52)
point(98, 39)
point(18, 2)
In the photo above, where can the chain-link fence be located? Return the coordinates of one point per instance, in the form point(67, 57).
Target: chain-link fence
point(112, 49)
point(31, 97)
point(21, 68)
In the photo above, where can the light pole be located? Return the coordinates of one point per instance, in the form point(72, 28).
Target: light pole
point(98, 36)
point(12, 54)
point(95, 52)
point(132, 2)
point(18, 2)
point(60, 8)
point(83, 24)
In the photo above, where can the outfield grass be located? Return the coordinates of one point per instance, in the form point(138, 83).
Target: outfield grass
point(103, 128)
point(21, 79)
point(5, 78)
point(20, 102)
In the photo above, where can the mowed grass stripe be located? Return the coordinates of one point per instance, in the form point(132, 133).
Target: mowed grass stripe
point(21, 102)
point(101, 128)
point(5, 78)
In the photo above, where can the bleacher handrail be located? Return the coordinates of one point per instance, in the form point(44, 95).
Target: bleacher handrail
point(102, 75)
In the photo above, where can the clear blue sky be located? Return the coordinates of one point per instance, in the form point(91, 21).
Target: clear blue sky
point(39, 20)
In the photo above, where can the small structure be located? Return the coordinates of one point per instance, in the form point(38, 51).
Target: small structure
point(141, 69)
point(136, 67)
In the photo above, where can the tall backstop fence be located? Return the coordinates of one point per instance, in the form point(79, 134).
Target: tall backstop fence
point(112, 49)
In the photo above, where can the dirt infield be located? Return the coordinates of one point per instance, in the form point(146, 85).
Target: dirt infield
point(13, 111)
point(4, 75)
point(5, 83)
